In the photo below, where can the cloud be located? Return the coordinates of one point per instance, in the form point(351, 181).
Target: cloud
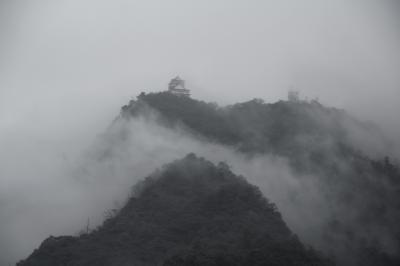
point(49, 192)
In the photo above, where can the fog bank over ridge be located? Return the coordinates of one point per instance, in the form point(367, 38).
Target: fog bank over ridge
point(67, 190)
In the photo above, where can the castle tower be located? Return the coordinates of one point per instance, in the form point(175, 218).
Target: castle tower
point(177, 87)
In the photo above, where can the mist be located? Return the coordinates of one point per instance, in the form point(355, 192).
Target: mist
point(57, 194)
point(66, 67)
point(94, 55)
point(50, 193)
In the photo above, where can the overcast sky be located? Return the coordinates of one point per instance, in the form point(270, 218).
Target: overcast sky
point(69, 65)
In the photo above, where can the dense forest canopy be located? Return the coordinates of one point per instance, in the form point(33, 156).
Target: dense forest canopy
point(318, 141)
point(190, 212)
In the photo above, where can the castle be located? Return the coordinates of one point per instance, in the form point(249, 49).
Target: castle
point(177, 87)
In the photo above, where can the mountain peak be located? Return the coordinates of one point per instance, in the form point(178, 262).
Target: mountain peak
point(190, 212)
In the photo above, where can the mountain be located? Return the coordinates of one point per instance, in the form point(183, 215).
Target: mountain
point(191, 212)
point(350, 162)
point(194, 213)
point(283, 127)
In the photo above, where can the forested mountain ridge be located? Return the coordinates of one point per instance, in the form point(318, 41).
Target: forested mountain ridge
point(190, 212)
point(360, 185)
point(311, 135)
point(255, 126)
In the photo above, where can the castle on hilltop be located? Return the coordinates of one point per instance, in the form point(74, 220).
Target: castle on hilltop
point(177, 87)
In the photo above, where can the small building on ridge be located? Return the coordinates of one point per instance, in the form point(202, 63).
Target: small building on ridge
point(177, 87)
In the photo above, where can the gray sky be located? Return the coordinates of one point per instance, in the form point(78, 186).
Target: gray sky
point(74, 63)
point(66, 67)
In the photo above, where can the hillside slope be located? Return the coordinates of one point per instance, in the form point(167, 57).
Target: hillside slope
point(342, 155)
point(191, 212)
point(257, 127)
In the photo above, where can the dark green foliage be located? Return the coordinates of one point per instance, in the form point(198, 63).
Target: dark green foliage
point(193, 213)
point(387, 170)
point(252, 126)
point(189, 213)
point(317, 141)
